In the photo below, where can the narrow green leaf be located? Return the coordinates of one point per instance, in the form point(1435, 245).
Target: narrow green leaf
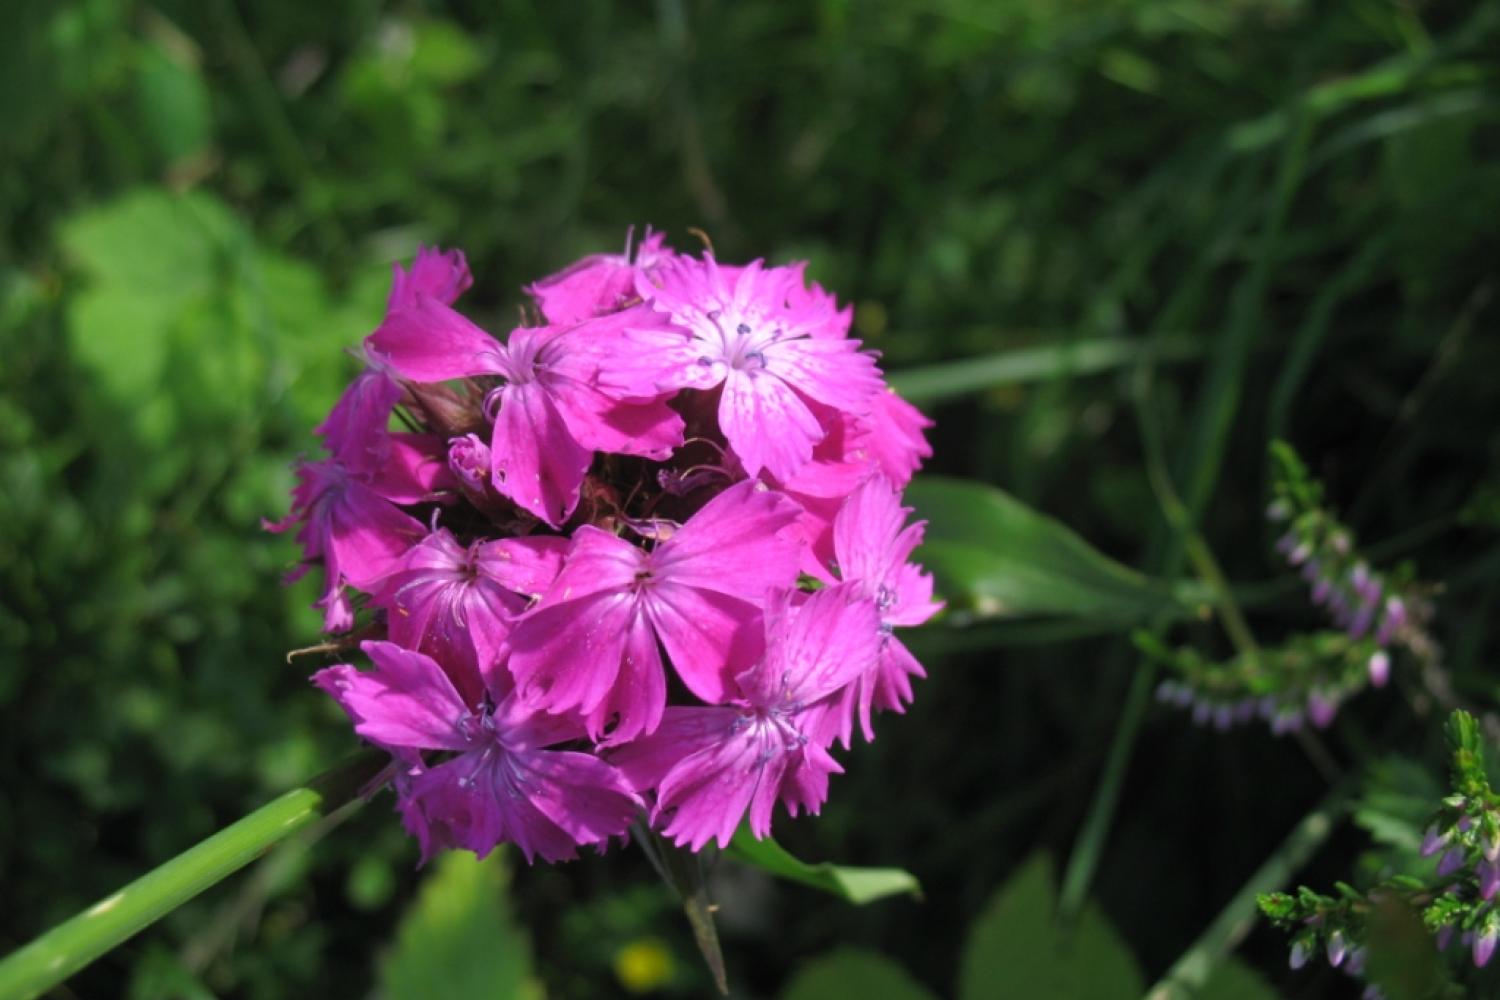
point(68, 947)
point(1016, 949)
point(994, 557)
point(934, 383)
point(854, 974)
point(459, 939)
point(857, 885)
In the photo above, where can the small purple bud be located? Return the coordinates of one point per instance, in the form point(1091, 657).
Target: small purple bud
point(1245, 710)
point(1444, 937)
point(1489, 879)
point(1491, 849)
point(1392, 621)
point(1312, 570)
point(469, 458)
point(1355, 965)
point(1484, 947)
point(1300, 554)
point(1433, 841)
point(1184, 696)
point(1359, 576)
point(1286, 543)
point(1166, 691)
point(1360, 623)
point(1450, 862)
point(1380, 668)
point(1299, 955)
point(1266, 707)
point(1201, 712)
point(1336, 948)
point(1223, 717)
point(1372, 992)
point(1465, 824)
point(1278, 510)
point(1339, 542)
point(1321, 709)
point(1321, 590)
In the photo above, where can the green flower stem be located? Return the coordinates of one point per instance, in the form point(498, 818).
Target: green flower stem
point(1188, 975)
point(74, 943)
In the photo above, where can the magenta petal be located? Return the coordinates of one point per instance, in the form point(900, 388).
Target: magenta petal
point(568, 655)
point(538, 464)
point(414, 467)
point(682, 732)
point(709, 637)
point(833, 372)
point(525, 565)
point(814, 649)
point(366, 536)
point(554, 802)
point(737, 544)
point(440, 274)
point(767, 425)
point(892, 433)
point(356, 429)
point(443, 807)
point(705, 795)
point(426, 341)
point(407, 701)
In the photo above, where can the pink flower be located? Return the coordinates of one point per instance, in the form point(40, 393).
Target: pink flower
point(599, 284)
point(591, 644)
point(439, 274)
point(502, 784)
point(872, 544)
point(551, 414)
point(773, 353)
point(356, 431)
point(349, 523)
point(710, 766)
point(457, 603)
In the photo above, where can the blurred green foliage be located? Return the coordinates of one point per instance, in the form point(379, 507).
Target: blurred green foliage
point(1291, 204)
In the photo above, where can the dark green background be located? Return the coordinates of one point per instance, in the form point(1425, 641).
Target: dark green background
point(198, 207)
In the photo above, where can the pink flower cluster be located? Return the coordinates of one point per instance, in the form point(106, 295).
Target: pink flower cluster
point(642, 558)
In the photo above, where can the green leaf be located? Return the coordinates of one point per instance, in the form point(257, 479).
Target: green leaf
point(994, 557)
point(857, 885)
point(854, 974)
point(459, 939)
point(172, 101)
point(1234, 980)
point(1017, 950)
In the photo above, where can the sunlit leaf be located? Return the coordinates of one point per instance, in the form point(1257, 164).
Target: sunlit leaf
point(994, 557)
point(853, 974)
point(857, 885)
point(459, 939)
point(1017, 950)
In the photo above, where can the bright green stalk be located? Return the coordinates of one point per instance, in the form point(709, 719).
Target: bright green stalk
point(76, 942)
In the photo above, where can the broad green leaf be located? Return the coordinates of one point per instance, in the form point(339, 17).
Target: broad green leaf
point(172, 101)
point(857, 885)
point(994, 557)
point(1017, 950)
point(854, 974)
point(459, 940)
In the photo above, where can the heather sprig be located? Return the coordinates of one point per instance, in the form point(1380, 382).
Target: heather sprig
point(1309, 675)
point(1456, 903)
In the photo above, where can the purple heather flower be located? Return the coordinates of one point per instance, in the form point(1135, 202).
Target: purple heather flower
point(503, 783)
point(1484, 945)
point(1489, 879)
point(1444, 937)
point(1336, 948)
point(1392, 621)
point(1450, 862)
point(1299, 955)
point(1433, 840)
point(1379, 668)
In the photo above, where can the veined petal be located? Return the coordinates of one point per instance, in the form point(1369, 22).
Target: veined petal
point(814, 649)
point(834, 372)
point(709, 637)
point(567, 656)
point(427, 341)
point(552, 803)
point(739, 543)
point(766, 424)
point(439, 274)
point(406, 702)
point(537, 462)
